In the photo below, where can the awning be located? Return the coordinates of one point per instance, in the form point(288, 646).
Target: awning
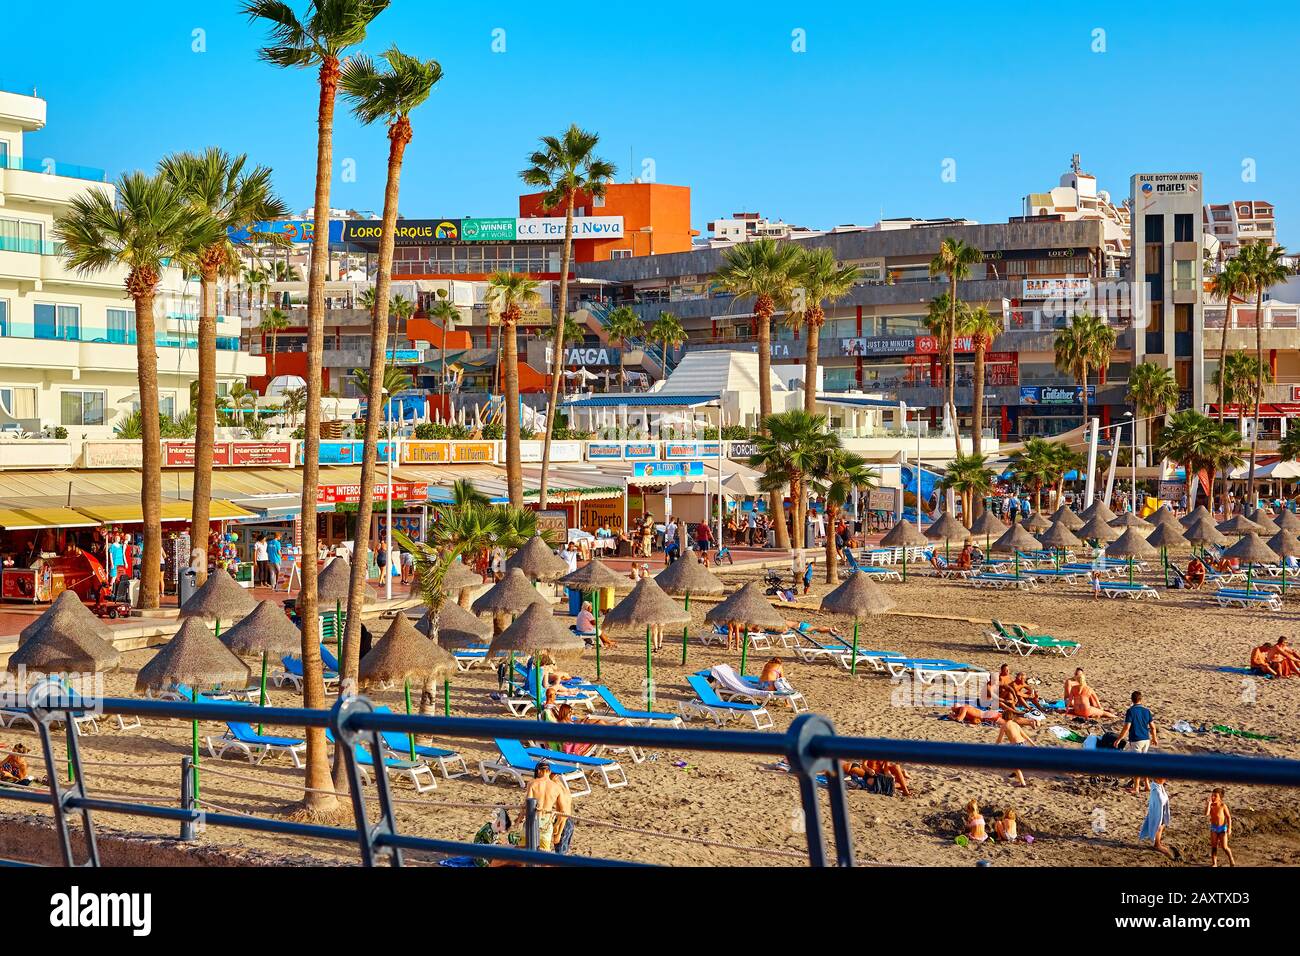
point(642, 400)
point(171, 511)
point(27, 519)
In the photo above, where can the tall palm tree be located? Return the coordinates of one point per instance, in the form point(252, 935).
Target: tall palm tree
point(573, 332)
point(1153, 390)
point(294, 402)
point(566, 167)
point(937, 323)
point(446, 315)
point(508, 294)
point(623, 328)
point(400, 310)
point(223, 187)
point(274, 321)
point(668, 330)
point(767, 271)
point(320, 40)
point(1229, 283)
point(1263, 266)
point(1193, 440)
point(242, 398)
point(1082, 347)
point(391, 380)
point(788, 451)
point(151, 225)
point(968, 475)
point(983, 327)
point(1036, 466)
point(835, 477)
point(824, 282)
point(954, 260)
point(254, 278)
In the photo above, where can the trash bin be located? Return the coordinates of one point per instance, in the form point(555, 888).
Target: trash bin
point(187, 586)
point(575, 602)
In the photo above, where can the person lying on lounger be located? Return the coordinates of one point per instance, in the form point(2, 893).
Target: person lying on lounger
point(773, 677)
point(1261, 662)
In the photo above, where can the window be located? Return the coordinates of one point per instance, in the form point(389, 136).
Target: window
point(57, 321)
point(167, 405)
point(1182, 318)
point(1155, 320)
point(18, 401)
point(1182, 227)
point(1154, 259)
point(1155, 228)
point(620, 254)
point(20, 235)
point(1184, 277)
point(598, 202)
point(4, 316)
point(4, 153)
point(121, 326)
point(81, 408)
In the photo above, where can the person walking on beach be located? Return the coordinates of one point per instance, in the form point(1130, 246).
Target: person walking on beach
point(1140, 731)
point(262, 563)
point(1220, 820)
point(274, 549)
point(1157, 818)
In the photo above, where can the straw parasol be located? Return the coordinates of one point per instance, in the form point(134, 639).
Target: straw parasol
point(1165, 515)
point(1059, 537)
point(1196, 514)
point(1130, 545)
point(219, 599)
point(538, 561)
point(511, 595)
point(744, 608)
point(193, 656)
point(1098, 508)
point(947, 529)
point(1288, 521)
point(1098, 529)
point(458, 579)
point(456, 626)
point(1203, 532)
point(333, 583)
point(1129, 520)
point(857, 597)
point(66, 639)
point(1064, 515)
point(1014, 540)
point(1166, 535)
point(1035, 523)
point(687, 576)
point(266, 632)
point(988, 524)
point(1251, 551)
point(403, 653)
point(594, 577)
point(649, 607)
point(904, 535)
point(534, 631)
point(1239, 525)
point(1264, 520)
point(1285, 545)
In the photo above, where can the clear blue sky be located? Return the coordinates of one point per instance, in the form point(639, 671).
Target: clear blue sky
point(856, 126)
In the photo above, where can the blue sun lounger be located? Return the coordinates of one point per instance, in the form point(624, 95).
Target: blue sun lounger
point(514, 761)
point(635, 716)
point(1240, 597)
point(1117, 589)
point(414, 770)
point(399, 745)
point(292, 673)
point(256, 747)
point(605, 765)
point(709, 705)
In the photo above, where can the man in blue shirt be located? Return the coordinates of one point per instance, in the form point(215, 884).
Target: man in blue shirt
point(273, 550)
point(1140, 731)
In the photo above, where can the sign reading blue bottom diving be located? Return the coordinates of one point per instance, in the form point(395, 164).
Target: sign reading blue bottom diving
point(668, 469)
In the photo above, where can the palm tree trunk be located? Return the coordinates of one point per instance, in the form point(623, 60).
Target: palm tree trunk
point(146, 351)
point(796, 512)
point(557, 364)
point(510, 364)
point(763, 319)
point(810, 362)
point(977, 411)
point(952, 363)
point(1259, 392)
point(350, 653)
point(319, 798)
point(831, 557)
point(205, 422)
point(1223, 358)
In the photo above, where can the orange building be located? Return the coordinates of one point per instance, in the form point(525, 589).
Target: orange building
point(656, 220)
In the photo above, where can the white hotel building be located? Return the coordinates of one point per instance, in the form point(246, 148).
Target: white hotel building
point(67, 342)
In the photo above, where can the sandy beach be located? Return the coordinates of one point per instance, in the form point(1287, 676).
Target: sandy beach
point(1172, 649)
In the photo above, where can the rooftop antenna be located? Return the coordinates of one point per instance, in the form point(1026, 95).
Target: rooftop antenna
point(1074, 163)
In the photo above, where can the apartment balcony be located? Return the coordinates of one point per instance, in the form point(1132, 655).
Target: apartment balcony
point(23, 181)
point(1280, 330)
point(102, 349)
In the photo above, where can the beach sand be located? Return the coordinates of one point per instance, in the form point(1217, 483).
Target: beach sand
point(1171, 649)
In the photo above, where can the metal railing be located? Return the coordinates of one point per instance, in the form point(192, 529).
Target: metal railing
point(810, 745)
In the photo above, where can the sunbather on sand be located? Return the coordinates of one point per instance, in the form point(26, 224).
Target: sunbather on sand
point(1025, 694)
point(772, 677)
point(1004, 827)
point(1086, 704)
point(1286, 659)
point(13, 769)
point(1261, 662)
point(1072, 682)
point(969, 714)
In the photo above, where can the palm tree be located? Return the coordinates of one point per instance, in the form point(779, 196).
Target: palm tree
point(1036, 466)
point(1065, 459)
point(787, 451)
point(936, 323)
point(1228, 284)
point(151, 226)
point(765, 270)
point(391, 381)
point(400, 310)
point(217, 185)
point(1263, 267)
point(318, 40)
point(274, 321)
point(507, 295)
point(1193, 440)
point(254, 279)
point(573, 332)
point(1289, 449)
point(835, 477)
point(1227, 456)
point(822, 280)
point(623, 327)
point(1153, 390)
point(1084, 346)
point(668, 330)
point(954, 260)
point(446, 315)
point(968, 475)
point(983, 327)
point(293, 401)
point(242, 398)
point(565, 167)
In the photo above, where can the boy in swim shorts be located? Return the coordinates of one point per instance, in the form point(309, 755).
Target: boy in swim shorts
point(1220, 820)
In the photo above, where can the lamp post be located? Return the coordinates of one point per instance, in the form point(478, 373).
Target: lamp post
point(1133, 463)
point(386, 571)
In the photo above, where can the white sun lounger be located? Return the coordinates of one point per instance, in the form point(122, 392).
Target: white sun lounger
point(732, 686)
point(1232, 597)
point(710, 706)
point(1115, 589)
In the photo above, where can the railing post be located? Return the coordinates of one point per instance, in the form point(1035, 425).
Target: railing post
point(807, 766)
point(532, 836)
point(187, 798)
point(346, 740)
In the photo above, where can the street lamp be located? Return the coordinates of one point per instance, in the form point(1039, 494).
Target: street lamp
point(386, 570)
point(1133, 463)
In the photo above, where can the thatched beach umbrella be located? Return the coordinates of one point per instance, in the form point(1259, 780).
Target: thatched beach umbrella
point(66, 639)
point(1285, 545)
point(1059, 538)
point(403, 653)
point(458, 580)
point(455, 627)
point(1202, 532)
point(904, 535)
point(687, 576)
point(989, 525)
point(594, 577)
point(1165, 515)
point(1196, 514)
point(511, 595)
point(1264, 520)
point(332, 588)
point(1015, 540)
point(193, 656)
point(744, 608)
point(1164, 537)
point(219, 599)
point(538, 561)
point(1130, 545)
point(1066, 516)
point(267, 631)
point(947, 529)
point(1130, 520)
point(1239, 525)
point(857, 597)
point(1098, 529)
point(1035, 523)
point(649, 607)
point(1251, 551)
point(534, 631)
point(1288, 521)
point(1098, 508)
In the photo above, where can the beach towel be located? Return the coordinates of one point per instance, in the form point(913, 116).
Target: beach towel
point(1245, 734)
point(1245, 670)
point(1157, 812)
point(1063, 733)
